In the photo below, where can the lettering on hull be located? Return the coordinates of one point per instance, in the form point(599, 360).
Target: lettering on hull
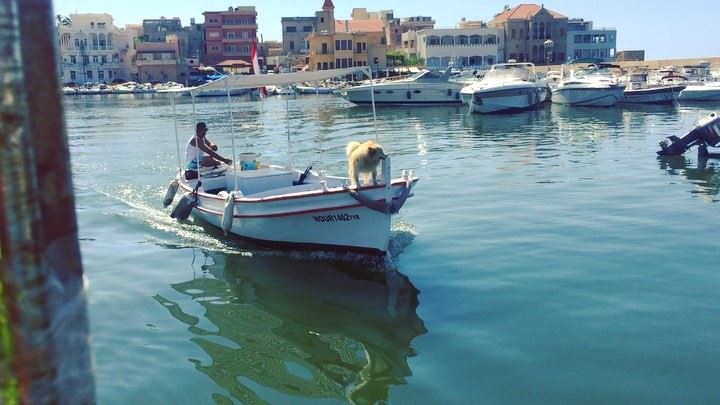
point(344, 217)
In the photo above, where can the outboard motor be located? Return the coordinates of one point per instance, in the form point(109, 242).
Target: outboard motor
point(706, 133)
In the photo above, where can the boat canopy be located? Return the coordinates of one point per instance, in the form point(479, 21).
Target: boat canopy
point(282, 79)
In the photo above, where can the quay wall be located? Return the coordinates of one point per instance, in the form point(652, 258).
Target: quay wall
point(657, 64)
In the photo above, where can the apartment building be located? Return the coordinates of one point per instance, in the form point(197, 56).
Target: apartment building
point(586, 43)
point(93, 49)
point(229, 35)
point(346, 43)
point(294, 33)
point(532, 33)
point(159, 61)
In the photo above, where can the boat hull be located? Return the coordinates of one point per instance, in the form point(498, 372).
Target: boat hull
point(709, 92)
point(588, 96)
point(315, 219)
point(499, 100)
point(658, 95)
point(402, 94)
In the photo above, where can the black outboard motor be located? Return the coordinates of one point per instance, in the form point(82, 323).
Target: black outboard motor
point(706, 133)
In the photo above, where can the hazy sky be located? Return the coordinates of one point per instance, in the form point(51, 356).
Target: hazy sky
point(664, 29)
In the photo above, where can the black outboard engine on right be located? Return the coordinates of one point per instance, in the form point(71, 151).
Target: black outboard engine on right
point(706, 133)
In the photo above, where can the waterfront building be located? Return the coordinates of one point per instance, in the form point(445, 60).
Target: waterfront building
point(159, 61)
point(155, 30)
point(416, 23)
point(464, 47)
point(190, 41)
point(630, 56)
point(393, 32)
point(229, 35)
point(294, 33)
point(346, 43)
point(93, 50)
point(526, 29)
point(586, 43)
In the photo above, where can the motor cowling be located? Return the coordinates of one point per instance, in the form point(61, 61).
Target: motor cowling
point(705, 133)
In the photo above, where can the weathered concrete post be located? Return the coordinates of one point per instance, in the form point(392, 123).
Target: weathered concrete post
point(44, 351)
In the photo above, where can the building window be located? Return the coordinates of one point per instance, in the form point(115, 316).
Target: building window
point(88, 75)
point(292, 45)
point(73, 75)
point(307, 28)
point(337, 62)
point(246, 49)
point(101, 75)
point(578, 39)
point(230, 35)
point(322, 19)
point(337, 44)
point(512, 33)
point(290, 28)
point(95, 59)
point(103, 59)
point(213, 34)
point(324, 49)
point(73, 60)
point(318, 66)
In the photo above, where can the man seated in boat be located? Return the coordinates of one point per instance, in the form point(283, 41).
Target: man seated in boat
point(199, 147)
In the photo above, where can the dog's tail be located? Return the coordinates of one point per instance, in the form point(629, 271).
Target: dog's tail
point(351, 146)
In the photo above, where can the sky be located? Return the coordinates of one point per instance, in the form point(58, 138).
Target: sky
point(686, 29)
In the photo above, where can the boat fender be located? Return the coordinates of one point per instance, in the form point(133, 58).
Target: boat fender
point(184, 207)
point(227, 218)
point(170, 193)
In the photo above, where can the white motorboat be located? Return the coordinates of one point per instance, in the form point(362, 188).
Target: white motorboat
point(506, 87)
point(423, 87)
point(640, 90)
point(700, 91)
point(306, 89)
point(283, 207)
point(588, 87)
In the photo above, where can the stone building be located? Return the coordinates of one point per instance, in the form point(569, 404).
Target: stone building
point(526, 29)
point(586, 43)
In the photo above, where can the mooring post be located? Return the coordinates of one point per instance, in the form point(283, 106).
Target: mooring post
point(44, 350)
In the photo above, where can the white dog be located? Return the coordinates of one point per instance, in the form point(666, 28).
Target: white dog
point(363, 158)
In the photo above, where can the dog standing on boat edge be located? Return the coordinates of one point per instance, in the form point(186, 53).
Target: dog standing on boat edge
point(363, 158)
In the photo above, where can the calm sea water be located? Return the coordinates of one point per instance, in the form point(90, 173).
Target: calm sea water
point(546, 257)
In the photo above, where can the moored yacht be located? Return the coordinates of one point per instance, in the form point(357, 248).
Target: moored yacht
point(588, 87)
point(639, 89)
point(423, 87)
point(700, 91)
point(506, 87)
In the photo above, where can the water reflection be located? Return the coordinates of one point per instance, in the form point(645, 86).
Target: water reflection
point(310, 329)
point(703, 173)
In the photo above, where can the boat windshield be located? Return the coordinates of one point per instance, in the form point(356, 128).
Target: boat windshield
point(509, 73)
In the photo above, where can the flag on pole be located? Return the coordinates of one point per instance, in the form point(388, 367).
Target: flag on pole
point(256, 67)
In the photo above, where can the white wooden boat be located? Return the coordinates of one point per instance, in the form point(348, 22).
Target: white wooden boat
point(288, 208)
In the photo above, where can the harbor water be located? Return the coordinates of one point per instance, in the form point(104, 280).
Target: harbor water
point(546, 256)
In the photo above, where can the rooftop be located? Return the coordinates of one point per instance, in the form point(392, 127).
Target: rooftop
point(523, 12)
point(359, 25)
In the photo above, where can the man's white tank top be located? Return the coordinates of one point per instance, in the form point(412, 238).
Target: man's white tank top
point(191, 152)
